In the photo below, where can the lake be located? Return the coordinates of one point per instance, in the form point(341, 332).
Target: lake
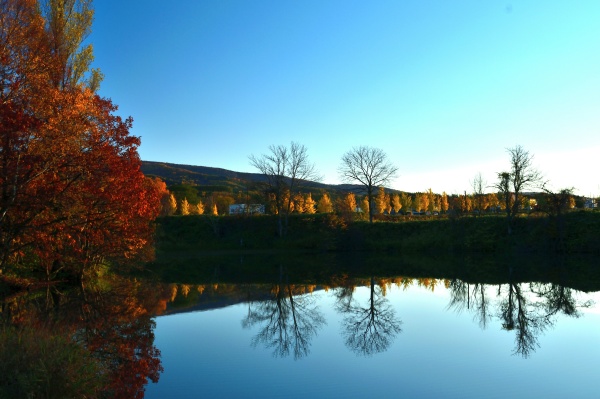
point(323, 326)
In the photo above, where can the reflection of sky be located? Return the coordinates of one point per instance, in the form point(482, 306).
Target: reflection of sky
point(439, 353)
point(595, 298)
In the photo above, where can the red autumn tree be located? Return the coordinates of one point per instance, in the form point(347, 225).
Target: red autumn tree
point(72, 192)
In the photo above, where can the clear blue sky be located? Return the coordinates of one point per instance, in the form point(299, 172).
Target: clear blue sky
point(444, 87)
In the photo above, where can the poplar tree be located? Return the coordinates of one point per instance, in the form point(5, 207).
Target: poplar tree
point(380, 201)
point(347, 204)
point(324, 205)
point(406, 201)
point(397, 205)
point(68, 24)
point(444, 202)
point(364, 205)
point(185, 207)
point(298, 203)
point(309, 204)
point(172, 204)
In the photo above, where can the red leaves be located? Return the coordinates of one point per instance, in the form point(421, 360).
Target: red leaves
point(71, 189)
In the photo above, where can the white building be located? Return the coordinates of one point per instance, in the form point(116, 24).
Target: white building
point(246, 209)
point(590, 203)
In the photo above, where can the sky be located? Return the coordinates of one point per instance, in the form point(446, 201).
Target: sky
point(443, 87)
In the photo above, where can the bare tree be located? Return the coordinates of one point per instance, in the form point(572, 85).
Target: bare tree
point(369, 167)
point(285, 168)
point(522, 175)
point(472, 297)
point(479, 185)
point(288, 319)
point(371, 328)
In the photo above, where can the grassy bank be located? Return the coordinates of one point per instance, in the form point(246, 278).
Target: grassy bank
point(577, 232)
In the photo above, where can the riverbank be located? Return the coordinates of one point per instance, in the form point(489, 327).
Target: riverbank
point(576, 232)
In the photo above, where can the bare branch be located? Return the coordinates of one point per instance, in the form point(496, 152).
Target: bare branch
point(369, 167)
point(522, 176)
point(285, 168)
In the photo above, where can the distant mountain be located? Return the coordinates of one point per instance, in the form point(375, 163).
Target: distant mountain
point(217, 179)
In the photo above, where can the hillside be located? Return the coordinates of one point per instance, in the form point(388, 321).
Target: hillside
point(217, 179)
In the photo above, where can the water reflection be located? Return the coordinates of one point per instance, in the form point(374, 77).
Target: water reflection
point(287, 316)
point(528, 309)
point(472, 297)
point(369, 328)
point(111, 319)
point(287, 320)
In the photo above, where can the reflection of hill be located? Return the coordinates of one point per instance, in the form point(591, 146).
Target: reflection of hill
point(214, 301)
point(319, 269)
point(218, 298)
point(216, 282)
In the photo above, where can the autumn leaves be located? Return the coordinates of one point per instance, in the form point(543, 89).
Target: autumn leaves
point(71, 191)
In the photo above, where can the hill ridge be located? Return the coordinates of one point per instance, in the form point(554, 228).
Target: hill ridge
point(225, 179)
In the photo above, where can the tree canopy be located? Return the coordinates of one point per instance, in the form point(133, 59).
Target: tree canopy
point(71, 191)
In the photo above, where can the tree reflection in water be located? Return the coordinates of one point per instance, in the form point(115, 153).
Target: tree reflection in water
point(471, 297)
point(110, 318)
point(287, 321)
point(528, 309)
point(519, 314)
point(367, 329)
point(118, 328)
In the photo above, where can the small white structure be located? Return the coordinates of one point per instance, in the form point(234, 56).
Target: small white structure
point(247, 209)
point(590, 203)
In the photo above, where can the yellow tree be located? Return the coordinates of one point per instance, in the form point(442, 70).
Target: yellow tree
point(380, 201)
point(214, 211)
point(68, 24)
point(416, 202)
point(298, 203)
point(424, 202)
point(309, 204)
point(200, 208)
point(364, 205)
point(324, 205)
point(492, 201)
point(397, 205)
point(184, 207)
point(172, 204)
point(430, 200)
point(466, 205)
point(388, 203)
point(346, 204)
point(406, 201)
point(444, 202)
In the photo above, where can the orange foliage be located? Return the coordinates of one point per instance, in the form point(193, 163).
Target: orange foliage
point(72, 190)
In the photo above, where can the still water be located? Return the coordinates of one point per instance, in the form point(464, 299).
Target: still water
point(414, 330)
